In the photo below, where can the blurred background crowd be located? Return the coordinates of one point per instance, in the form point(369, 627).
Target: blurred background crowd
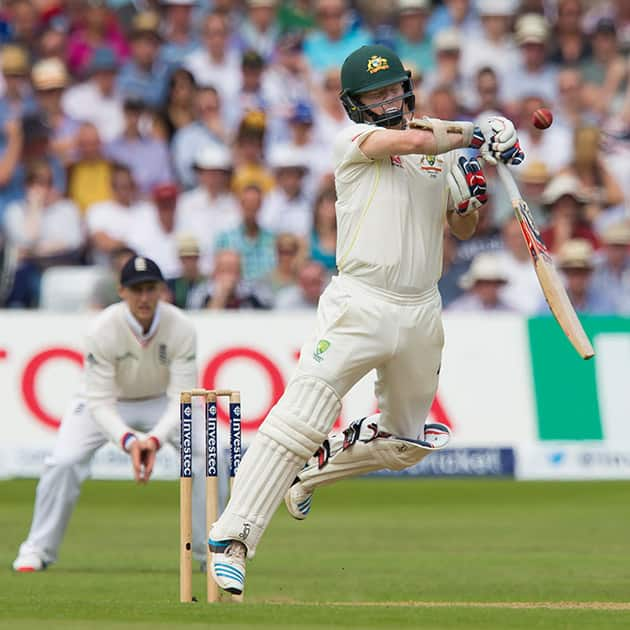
point(199, 134)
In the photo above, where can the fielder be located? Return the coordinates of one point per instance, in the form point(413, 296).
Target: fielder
point(397, 179)
point(139, 355)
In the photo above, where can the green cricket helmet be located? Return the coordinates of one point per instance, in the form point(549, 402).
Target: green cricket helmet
point(370, 68)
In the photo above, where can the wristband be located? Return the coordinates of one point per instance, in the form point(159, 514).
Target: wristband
point(127, 439)
point(157, 442)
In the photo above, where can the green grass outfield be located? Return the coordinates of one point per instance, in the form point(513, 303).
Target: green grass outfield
point(373, 554)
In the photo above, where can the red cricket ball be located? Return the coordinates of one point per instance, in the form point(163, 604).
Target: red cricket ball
point(542, 118)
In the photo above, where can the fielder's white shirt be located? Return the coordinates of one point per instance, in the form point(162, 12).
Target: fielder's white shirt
point(123, 364)
point(390, 215)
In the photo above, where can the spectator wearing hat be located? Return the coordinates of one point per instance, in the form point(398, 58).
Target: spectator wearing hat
point(210, 208)
point(50, 79)
point(616, 10)
point(179, 37)
point(565, 203)
point(533, 75)
point(454, 14)
point(482, 285)
point(606, 71)
point(217, 62)
point(576, 262)
point(259, 30)
point(144, 76)
point(254, 244)
point(250, 166)
point(96, 100)
point(154, 232)
point(227, 289)
point(209, 128)
point(146, 156)
point(522, 290)
point(97, 27)
point(570, 45)
point(612, 266)
point(185, 289)
point(412, 43)
point(287, 208)
point(287, 79)
point(303, 138)
point(447, 46)
point(253, 94)
point(553, 146)
point(311, 281)
point(334, 38)
point(17, 100)
point(533, 178)
point(110, 224)
point(89, 175)
point(494, 46)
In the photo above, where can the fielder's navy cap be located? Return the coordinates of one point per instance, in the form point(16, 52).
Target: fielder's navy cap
point(139, 269)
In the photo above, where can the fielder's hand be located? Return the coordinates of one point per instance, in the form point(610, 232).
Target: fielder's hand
point(467, 185)
point(501, 141)
point(143, 458)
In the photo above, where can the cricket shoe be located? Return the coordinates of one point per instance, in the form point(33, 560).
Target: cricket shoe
point(228, 564)
point(437, 434)
point(298, 500)
point(28, 563)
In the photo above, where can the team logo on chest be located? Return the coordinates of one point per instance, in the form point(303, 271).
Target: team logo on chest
point(396, 161)
point(162, 357)
point(432, 165)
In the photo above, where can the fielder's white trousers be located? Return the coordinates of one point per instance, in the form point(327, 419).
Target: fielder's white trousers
point(401, 337)
point(68, 466)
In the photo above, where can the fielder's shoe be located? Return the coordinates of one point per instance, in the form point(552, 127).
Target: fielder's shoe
point(228, 564)
point(28, 563)
point(298, 501)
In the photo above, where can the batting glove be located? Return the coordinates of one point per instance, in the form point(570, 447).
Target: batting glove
point(467, 186)
point(501, 142)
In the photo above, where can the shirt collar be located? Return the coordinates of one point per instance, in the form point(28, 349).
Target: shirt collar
point(136, 328)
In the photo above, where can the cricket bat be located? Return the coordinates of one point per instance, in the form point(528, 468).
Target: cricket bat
point(550, 282)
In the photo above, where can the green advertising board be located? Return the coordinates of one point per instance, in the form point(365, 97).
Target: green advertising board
point(567, 389)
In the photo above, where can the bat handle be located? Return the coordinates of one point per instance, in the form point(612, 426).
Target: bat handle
point(506, 177)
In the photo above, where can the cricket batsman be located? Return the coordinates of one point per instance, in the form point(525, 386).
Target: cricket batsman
point(397, 179)
point(139, 355)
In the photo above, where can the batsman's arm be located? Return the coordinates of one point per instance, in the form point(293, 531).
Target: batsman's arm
point(432, 137)
point(463, 226)
point(101, 395)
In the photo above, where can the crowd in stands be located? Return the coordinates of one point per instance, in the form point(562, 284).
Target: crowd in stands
point(199, 134)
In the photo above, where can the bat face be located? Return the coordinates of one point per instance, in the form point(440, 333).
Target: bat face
point(535, 244)
point(550, 282)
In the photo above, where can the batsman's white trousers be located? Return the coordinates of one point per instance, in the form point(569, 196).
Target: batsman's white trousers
point(78, 439)
point(360, 328)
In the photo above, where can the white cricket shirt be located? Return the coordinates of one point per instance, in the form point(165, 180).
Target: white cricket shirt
point(390, 215)
point(123, 364)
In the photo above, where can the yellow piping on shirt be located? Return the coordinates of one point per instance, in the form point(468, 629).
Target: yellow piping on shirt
point(377, 178)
